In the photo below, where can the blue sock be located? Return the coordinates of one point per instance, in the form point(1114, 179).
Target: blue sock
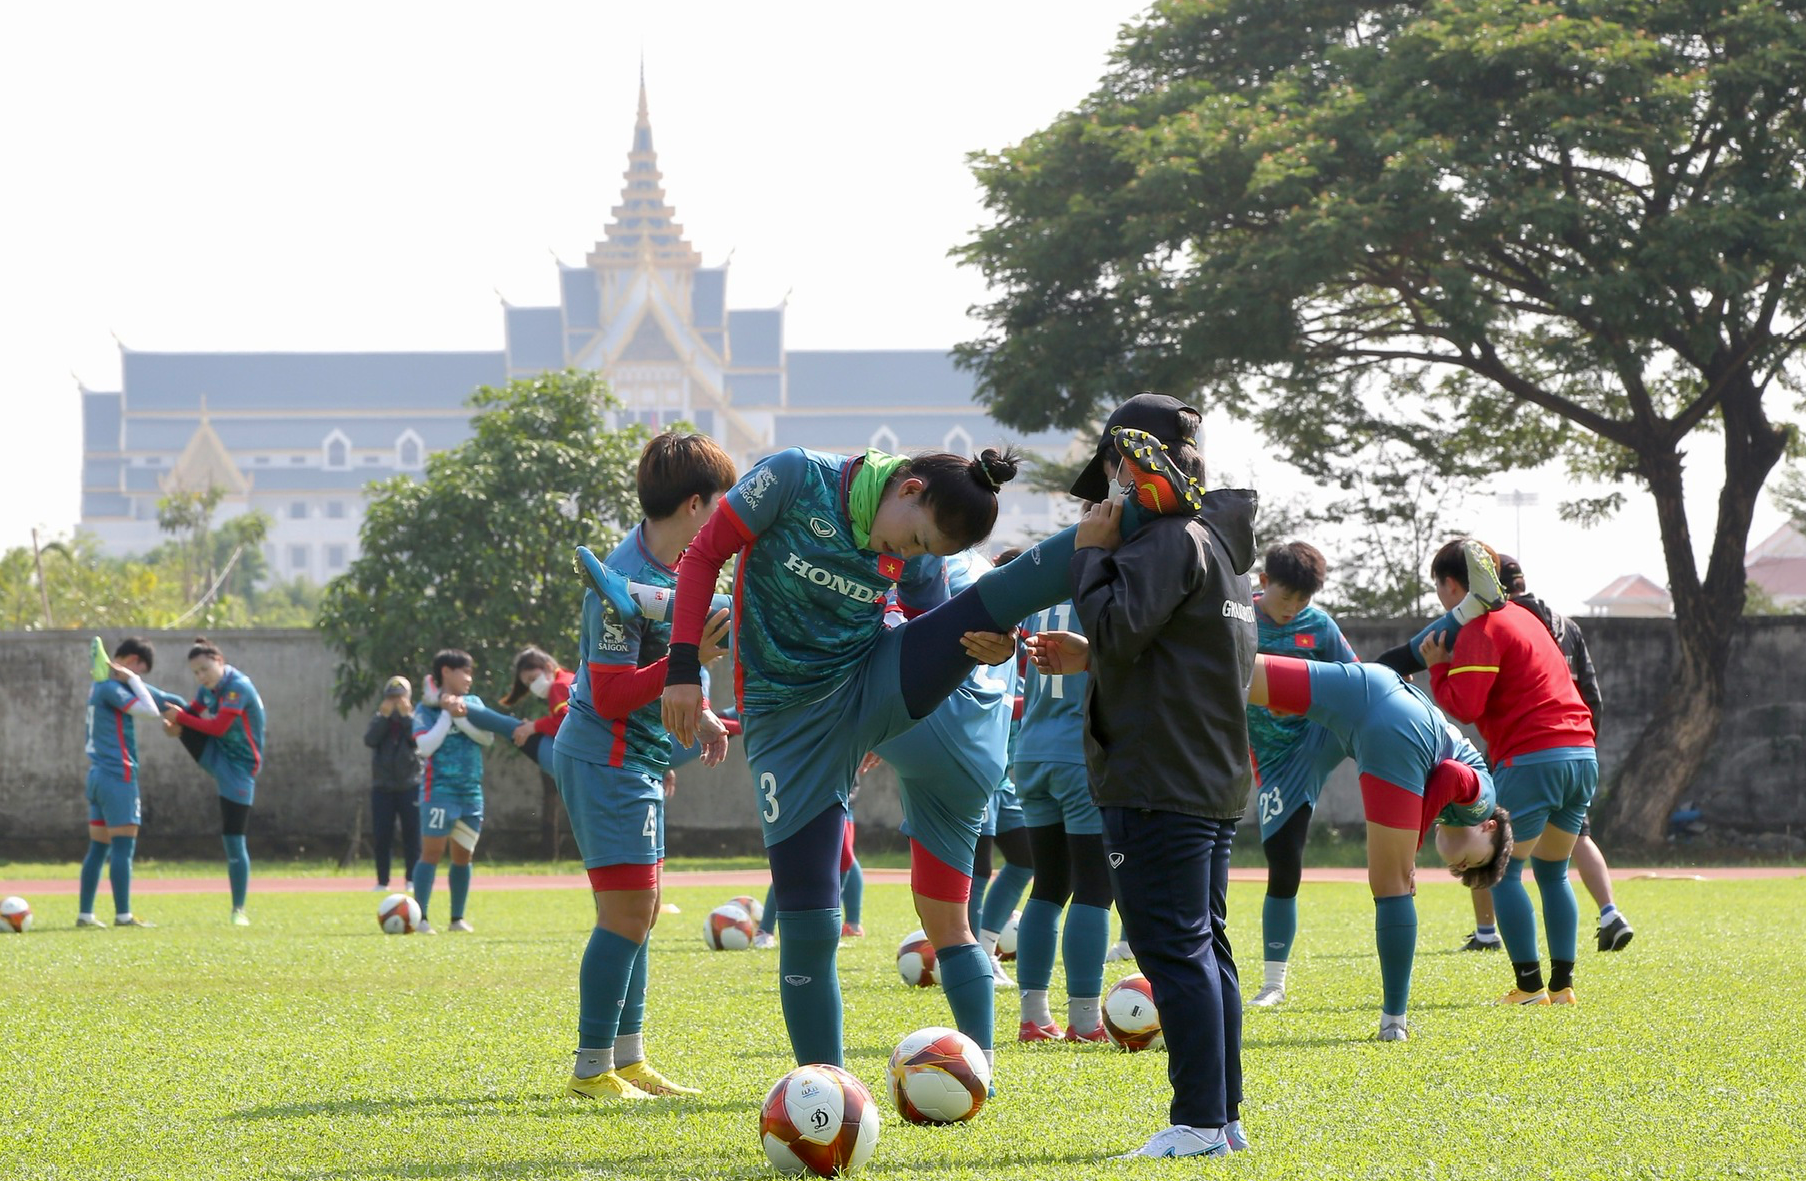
point(975, 906)
point(769, 923)
point(1278, 927)
point(1395, 931)
point(1006, 891)
point(123, 848)
point(633, 1009)
point(97, 857)
point(602, 981)
point(1445, 627)
point(1036, 935)
point(966, 979)
point(1607, 913)
point(1086, 940)
point(458, 878)
point(809, 984)
point(238, 868)
point(1561, 912)
point(1514, 914)
point(852, 893)
point(1486, 931)
point(1037, 580)
point(424, 872)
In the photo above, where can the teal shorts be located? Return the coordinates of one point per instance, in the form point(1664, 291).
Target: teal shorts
point(1547, 787)
point(1058, 793)
point(943, 804)
point(1004, 813)
point(111, 800)
point(617, 813)
point(439, 813)
point(1295, 778)
point(235, 782)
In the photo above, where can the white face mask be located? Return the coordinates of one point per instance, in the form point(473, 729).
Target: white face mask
point(540, 685)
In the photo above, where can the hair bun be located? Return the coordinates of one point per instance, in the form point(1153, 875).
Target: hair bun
point(993, 468)
point(201, 639)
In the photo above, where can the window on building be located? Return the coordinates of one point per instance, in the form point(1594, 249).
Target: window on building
point(958, 441)
point(337, 451)
point(297, 510)
point(261, 459)
point(297, 459)
point(884, 439)
point(335, 510)
point(297, 557)
point(335, 557)
point(410, 451)
point(372, 459)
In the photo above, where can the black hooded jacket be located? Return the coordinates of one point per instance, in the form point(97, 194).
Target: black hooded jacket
point(1171, 625)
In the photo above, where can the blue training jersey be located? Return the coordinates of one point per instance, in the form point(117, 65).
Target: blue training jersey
point(1053, 707)
point(242, 744)
point(1427, 725)
point(455, 770)
point(1312, 635)
point(112, 745)
point(807, 600)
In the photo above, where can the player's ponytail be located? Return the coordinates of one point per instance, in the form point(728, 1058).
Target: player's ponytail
point(204, 647)
point(962, 492)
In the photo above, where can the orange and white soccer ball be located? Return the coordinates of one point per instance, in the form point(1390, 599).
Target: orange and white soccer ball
point(752, 906)
point(15, 916)
point(818, 1119)
point(398, 915)
point(1006, 938)
point(938, 1076)
point(728, 928)
point(915, 961)
point(1130, 1018)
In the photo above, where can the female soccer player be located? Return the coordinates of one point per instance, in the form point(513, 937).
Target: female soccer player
point(537, 673)
point(228, 711)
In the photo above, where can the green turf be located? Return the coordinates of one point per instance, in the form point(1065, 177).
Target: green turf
point(310, 1046)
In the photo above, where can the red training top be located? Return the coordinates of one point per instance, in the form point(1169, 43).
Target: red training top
point(1507, 675)
point(558, 703)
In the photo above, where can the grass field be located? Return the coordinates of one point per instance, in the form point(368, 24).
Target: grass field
point(310, 1046)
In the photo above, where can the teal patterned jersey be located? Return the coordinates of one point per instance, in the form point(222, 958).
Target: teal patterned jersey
point(242, 744)
point(1311, 635)
point(639, 740)
point(808, 602)
point(455, 770)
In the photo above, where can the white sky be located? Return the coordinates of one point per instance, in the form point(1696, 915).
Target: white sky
point(371, 176)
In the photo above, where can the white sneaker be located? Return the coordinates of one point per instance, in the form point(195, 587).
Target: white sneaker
point(1393, 1031)
point(999, 977)
point(1238, 1139)
point(240, 918)
point(1268, 996)
point(379, 888)
point(461, 925)
point(1118, 952)
point(425, 928)
point(764, 940)
point(1179, 1140)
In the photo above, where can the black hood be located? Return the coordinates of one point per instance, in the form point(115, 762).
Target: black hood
point(1230, 514)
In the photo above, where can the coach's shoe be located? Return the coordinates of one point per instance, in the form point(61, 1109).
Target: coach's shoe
point(100, 667)
point(999, 977)
point(1475, 943)
point(1392, 1029)
point(1179, 1140)
point(425, 928)
point(1518, 996)
point(1482, 576)
point(608, 1085)
point(131, 920)
point(462, 925)
point(1238, 1139)
point(640, 1075)
point(240, 918)
point(610, 585)
point(1118, 952)
point(1073, 1034)
point(1030, 1032)
point(1615, 935)
point(381, 888)
point(89, 921)
point(764, 940)
point(1268, 996)
point(1563, 996)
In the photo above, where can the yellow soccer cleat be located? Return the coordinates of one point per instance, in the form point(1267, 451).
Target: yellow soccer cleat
point(650, 1081)
point(1518, 996)
point(603, 1086)
point(1564, 996)
point(100, 666)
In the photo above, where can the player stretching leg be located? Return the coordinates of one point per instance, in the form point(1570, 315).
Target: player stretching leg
point(118, 697)
point(822, 538)
point(1292, 756)
point(227, 718)
point(611, 756)
point(536, 673)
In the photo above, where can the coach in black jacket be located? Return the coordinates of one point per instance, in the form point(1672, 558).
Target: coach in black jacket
point(1170, 621)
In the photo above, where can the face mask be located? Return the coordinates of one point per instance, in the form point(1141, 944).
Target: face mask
point(540, 685)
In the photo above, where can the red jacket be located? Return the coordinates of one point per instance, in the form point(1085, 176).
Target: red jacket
point(558, 702)
point(1507, 675)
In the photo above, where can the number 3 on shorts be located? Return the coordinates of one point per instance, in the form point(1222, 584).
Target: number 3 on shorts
point(435, 818)
point(768, 784)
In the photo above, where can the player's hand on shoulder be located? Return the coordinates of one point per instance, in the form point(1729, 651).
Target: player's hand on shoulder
point(1100, 526)
point(1434, 651)
point(989, 647)
point(454, 705)
point(1059, 653)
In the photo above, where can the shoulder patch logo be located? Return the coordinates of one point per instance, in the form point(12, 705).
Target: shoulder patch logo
point(756, 486)
point(821, 528)
point(232, 696)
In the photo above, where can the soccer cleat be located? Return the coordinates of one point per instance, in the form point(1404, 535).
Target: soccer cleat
point(1475, 943)
point(90, 922)
point(764, 940)
point(608, 1085)
point(100, 667)
point(852, 931)
point(429, 690)
point(1482, 576)
point(1238, 1139)
point(462, 925)
point(1160, 487)
point(133, 920)
point(1613, 936)
point(1563, 996)
point(1518, 996)
point(1030, 1032)
point(425, 928)
point(999, 977)
point(240, 918)
point(1179, 1140)
point(1268, 996)
point(605, 582)
point(1394, 1033)
point(1095, 1035)
point(640, 1075)
point(1118, 952)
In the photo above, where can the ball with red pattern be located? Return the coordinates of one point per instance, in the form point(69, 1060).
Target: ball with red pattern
point(1006, 939)
point(915, 961)
point(398, 915)
point(729, 928)
point(15, 916)
point(752, 906)
point(818, 1119)
point(1130, 1018)
point(938, 1076)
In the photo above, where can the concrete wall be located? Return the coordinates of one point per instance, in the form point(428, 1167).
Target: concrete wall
point(316, 773)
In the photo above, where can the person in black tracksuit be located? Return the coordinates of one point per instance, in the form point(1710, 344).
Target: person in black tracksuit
point(394, 780)
point(1160, 584)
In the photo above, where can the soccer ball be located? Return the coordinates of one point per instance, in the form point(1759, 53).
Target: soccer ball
point(398, 915)
point(938, 1076)
point(1006, 939)
point(752, 906)
point(15, 916)
point(818, 1119)
point(728, 928)
point(1130, 1018)
point(915, 961)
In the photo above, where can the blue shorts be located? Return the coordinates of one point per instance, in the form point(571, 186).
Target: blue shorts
point(235, 782)
point(1393, 736)
point(1295, 779)
point(1547, 787)
point(1058, 793)
point(1004, 812)
point(617, 813)
point(803, 757)
point(112, 801)
point(943, 804)
point(440, 812)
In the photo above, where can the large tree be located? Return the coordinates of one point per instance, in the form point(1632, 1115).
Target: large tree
point(479, 554)
point(1569, 230)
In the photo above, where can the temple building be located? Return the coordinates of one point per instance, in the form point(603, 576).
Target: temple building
point(299, 435)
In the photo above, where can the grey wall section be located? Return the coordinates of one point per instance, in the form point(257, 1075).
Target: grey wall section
point(1753, 789)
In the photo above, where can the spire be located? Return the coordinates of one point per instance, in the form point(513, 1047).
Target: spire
point(644, 224)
